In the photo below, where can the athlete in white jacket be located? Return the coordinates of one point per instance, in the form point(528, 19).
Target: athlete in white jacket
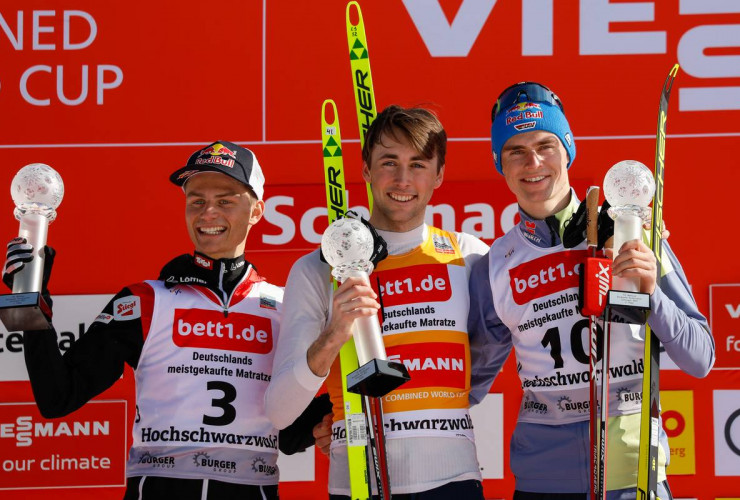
point(524, 295)
point(431, 452)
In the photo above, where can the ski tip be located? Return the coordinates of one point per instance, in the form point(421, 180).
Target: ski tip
point(328, 116)
point(354, 16)
point(668, 85)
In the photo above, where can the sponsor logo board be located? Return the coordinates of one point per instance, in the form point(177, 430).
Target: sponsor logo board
point(678, 423)
point(724, 317)
point(727, 432)
point(86, 448)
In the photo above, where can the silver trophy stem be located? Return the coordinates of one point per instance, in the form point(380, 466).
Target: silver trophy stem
point(35, 228)
point(366, 332)
point(627, 227)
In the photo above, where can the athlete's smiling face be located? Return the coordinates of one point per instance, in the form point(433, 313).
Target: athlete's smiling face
point(535, 165)
point(219, 211)
point(402, 182)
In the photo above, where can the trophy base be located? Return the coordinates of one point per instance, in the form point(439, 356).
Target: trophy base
point(632, 306)
point(377, 377)
point(24, 312)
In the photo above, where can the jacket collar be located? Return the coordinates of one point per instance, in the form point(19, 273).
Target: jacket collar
point(547, 232)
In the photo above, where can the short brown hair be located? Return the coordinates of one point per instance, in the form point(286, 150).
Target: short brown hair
point(418, 126)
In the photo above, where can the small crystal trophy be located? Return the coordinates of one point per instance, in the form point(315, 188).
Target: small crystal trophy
point(347, 246)
point(37, 191)
point(628, 187)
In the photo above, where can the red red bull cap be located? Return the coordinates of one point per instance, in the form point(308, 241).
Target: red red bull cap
point(226, 158)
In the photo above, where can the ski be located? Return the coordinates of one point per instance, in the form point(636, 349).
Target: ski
point(362, 84)
point(336, 201)
point(647, 465)
point(362, 79)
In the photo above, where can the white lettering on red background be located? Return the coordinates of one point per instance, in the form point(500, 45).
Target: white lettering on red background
point(545, 276)
point(412, 285)
point(25, 428)
point(203, 262)
point(212, 330)
point(431, 364)
point(127, 308)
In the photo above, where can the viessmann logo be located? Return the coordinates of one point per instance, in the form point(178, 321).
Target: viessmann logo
point(25, 429)
point(211, 330)
point(432, 364)
point(545, 276)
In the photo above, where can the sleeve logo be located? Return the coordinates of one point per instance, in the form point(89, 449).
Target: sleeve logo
point(126, 309)
point(103, 318)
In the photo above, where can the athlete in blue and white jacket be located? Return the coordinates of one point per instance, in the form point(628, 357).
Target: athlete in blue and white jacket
point(525, 295)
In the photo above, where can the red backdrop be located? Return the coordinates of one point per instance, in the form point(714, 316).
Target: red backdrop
point(116, 95)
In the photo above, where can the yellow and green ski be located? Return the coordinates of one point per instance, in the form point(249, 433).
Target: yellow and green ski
point(362, 79)
point(362, 83)
point(336, 202)
point(647, 467)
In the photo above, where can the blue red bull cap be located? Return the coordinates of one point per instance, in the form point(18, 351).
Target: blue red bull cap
point(525, 107)
point(226, 158)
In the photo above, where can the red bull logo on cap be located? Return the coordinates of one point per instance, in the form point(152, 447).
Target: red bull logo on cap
point(525, 115)
point(522, 106)
point(218, 149)
point(215, 160)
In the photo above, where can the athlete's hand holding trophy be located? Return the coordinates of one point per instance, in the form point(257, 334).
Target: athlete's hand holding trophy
point(37, 191)
point(347, 246)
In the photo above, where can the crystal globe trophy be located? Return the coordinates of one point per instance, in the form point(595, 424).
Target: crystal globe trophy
point(37, 190)
point(347, 246)
point(629, 187)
